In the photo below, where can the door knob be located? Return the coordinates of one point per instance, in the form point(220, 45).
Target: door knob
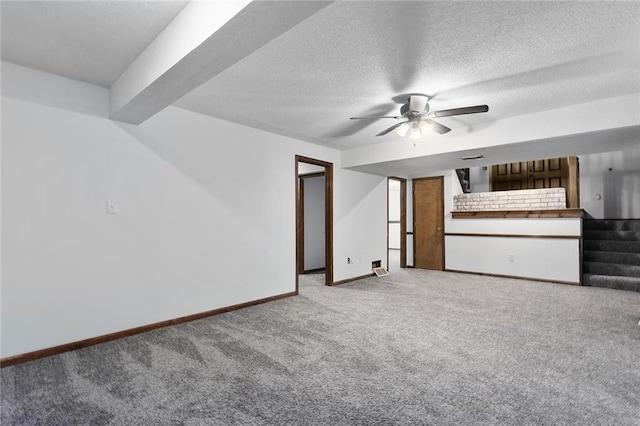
point(439, 229)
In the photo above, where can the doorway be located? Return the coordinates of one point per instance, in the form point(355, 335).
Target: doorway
point(309, 168)
point(396, 223)
point(428, 226)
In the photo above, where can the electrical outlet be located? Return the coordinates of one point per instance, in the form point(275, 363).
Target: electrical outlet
point(512, 257)
point(348, 261)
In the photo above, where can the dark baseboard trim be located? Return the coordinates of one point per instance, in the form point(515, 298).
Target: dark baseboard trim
point(361, 277)
point(67, 347)
point(515, 277)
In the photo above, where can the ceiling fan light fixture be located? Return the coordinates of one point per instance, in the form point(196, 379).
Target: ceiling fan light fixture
point(418, 117)
point(416, 131)
point(402, 130)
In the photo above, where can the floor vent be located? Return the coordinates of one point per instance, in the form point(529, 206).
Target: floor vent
point(381, 272)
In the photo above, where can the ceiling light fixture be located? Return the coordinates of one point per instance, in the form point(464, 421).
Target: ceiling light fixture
point(402, 130)
point(414, 129)
point(416, 132)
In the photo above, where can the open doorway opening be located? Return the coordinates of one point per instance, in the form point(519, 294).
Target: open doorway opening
point(314, 218)
point(396, 223)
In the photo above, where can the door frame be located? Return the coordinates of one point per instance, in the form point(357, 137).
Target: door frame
point(328, 218)
point(403, 220)
point(441, 202)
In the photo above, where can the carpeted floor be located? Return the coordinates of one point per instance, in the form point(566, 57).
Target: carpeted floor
point(415, 347)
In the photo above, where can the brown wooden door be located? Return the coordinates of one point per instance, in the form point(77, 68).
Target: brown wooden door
point(428, 223)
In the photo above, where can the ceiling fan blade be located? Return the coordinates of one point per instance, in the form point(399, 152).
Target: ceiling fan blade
point(437, 127)
point(395, 126)
point(375, 118)
point(460, 111)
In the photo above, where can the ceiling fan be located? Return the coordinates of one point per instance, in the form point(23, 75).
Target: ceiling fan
point(416, 112)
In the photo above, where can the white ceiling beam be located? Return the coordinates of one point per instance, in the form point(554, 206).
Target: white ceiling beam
point(205, 39)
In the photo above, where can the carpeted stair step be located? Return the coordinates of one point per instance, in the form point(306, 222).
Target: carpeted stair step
point(611, 257)
point(612, 245)
point(612, 225)
point(612, 235)
point(613, 269)
point(611, 253)
point(619, 283)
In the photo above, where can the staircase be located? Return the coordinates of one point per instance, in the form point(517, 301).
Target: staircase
point(463, 177)
point(611, 253)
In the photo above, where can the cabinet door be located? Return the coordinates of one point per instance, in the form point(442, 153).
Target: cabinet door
point(508, 177)
point(549, 173)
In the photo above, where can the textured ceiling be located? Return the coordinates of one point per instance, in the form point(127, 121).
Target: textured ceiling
point(91, 41)
point(355, 58)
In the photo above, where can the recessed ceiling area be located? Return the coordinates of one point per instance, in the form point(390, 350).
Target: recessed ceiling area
point(533, 59)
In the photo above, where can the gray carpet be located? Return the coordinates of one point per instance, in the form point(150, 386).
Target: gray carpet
point(416, 347)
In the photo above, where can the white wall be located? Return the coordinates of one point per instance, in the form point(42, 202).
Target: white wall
point(538, 258)
point(479, 179)
point(314, 223)
point(357, 221)
point(204, 208)
point(615, 193)
point(539, 248)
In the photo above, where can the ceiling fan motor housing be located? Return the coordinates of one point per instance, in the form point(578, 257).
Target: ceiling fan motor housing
point(416, 106)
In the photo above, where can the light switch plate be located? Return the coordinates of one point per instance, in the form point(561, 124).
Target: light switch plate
point(112, 207)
